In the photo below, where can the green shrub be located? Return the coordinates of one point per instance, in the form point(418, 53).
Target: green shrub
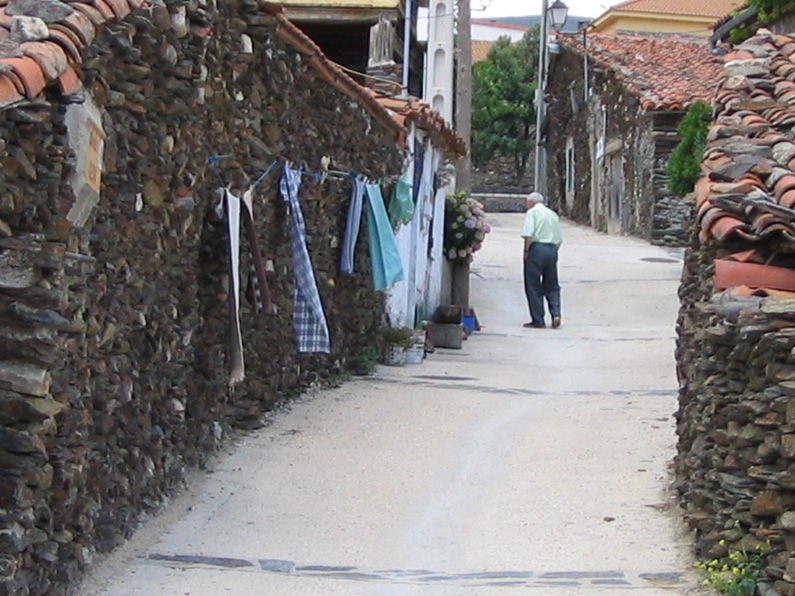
point(683, 165)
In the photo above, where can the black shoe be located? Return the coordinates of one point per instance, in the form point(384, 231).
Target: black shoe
point(533, 326)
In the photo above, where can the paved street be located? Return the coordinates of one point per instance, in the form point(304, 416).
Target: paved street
point(529, 460)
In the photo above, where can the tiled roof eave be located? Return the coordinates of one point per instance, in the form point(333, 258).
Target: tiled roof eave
point(329, 72)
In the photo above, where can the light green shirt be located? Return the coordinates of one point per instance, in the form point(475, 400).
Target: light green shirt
point(541, 225)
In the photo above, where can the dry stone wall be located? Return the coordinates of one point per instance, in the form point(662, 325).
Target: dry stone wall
point(736, 422)
point(114, 335)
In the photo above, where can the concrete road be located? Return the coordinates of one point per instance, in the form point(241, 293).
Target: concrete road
point(532, 459)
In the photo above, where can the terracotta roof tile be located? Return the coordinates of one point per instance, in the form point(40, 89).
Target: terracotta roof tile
point(120, 8)
point(480, 50)
point(702, 8)
point(414, 110)
point(93, 13)
point(9, 94)
point(105, 9)
point(666, 72)
point(69, 82)
point(50, 57)
point(498, 25)
point(754, 112)
point(29, 72)
point(81, 25)
point(67, 43)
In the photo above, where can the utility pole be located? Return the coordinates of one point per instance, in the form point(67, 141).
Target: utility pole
point(463, 123)
point(539, 179)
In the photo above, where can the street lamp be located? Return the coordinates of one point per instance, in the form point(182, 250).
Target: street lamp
point(557, 14)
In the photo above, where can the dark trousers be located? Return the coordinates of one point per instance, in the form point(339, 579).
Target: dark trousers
point(541, 281)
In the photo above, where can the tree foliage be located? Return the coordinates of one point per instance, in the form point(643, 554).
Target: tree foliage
point(503, 109)
point(683, 165)
point(767, 12)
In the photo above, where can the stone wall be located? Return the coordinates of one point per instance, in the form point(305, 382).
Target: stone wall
point(736, 422)
point(613, 115)
point(113, 336)
point(498, 175)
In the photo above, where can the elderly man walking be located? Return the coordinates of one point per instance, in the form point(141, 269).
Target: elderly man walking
point(541, 233)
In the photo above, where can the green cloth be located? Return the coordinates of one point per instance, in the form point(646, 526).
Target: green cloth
point(542, 225)
point(401, 207)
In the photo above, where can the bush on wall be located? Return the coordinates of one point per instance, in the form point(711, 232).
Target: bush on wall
point(683, 165)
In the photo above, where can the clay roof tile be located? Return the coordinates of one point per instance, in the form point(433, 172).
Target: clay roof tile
point(67, 43)
point(120, 8)
point(9, 94)
point(29, 72)
point(49, 56)
point(666, 72)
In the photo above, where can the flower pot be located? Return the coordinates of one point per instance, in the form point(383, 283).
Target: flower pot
point(394, 355)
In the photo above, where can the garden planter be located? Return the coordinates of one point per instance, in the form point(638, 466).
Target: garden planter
point(394, 355)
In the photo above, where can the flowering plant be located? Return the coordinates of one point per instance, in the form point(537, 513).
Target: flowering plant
point(465, 227)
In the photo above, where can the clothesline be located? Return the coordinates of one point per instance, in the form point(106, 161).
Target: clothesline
point(317, 177)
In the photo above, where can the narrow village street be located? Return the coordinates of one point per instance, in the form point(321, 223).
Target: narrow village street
point(530, 459)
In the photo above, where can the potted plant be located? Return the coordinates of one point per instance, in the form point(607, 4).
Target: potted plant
point(396, 341)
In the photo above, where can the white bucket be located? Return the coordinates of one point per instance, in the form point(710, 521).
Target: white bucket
point(414, 355)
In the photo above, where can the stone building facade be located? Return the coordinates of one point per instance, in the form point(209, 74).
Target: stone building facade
point(614, 104)
point(114, 259)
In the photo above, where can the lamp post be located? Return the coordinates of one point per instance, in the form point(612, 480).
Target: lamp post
point(557, 14)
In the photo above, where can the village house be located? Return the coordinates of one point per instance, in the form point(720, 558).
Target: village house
point(665, 16)
point(615, 102)
point(176, 201)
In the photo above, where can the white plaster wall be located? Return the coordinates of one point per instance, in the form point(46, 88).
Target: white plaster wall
point(89, 150)
point(486, 32)
point(423, 268)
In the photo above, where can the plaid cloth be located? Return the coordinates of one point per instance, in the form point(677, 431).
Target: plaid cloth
point(309, 320)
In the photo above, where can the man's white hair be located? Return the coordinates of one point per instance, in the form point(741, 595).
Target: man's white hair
point(537, 197)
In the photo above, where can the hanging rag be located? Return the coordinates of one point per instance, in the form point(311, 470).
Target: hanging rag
point(352, 225)
point(419, 166)
point(237, 371)
point(384, 255)
point(309, 320)
point(401, 207)
point(257, 280)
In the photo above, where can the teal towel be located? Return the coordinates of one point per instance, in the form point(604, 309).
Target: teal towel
point(384, 255)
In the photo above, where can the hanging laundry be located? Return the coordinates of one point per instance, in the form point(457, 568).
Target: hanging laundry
point(257, 280)
point(401, 207)
point(237, 371)
point(309, 320)
point(352, 225)
point(384, 255)
point(419, 165)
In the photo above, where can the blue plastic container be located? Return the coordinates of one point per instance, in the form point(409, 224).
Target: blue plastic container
point(469, 323)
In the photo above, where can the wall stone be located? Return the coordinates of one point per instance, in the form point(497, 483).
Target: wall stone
point(113, 345)
point(735, 462)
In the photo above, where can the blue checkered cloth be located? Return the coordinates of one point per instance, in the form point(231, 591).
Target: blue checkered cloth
point(309, 320)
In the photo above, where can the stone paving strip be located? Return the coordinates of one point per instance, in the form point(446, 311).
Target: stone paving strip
point(605, 579)
point(455, 384)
